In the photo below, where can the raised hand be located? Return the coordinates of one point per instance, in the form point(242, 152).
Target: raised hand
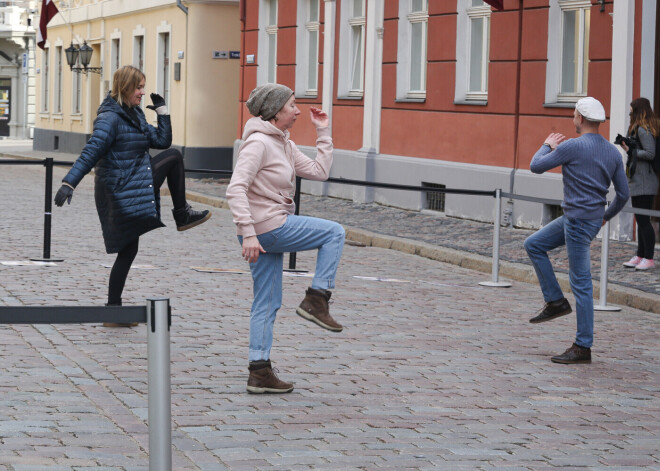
point(157, 101)
point(318, 117)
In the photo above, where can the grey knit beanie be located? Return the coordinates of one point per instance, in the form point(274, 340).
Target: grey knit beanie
point(267, 99)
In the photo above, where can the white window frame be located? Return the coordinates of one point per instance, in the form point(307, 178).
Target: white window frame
point(164, 60)
point(115, 52)
point(466, 13)
point(76, 90)
point(267, 69)
point(307, 60)
point(45, 78)
point(405, 51)
point(553, 93)
point(139, 47)
point(350, 62)
point(57, 85)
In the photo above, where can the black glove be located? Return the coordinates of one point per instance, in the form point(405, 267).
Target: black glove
point(65, 193)
point(157, 101)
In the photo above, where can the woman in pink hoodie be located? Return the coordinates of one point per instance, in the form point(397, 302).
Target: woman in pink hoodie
point(260, 197)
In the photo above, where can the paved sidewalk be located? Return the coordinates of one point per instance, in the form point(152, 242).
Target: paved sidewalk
point(433, 371)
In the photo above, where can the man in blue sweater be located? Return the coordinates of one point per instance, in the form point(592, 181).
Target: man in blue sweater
point(589, 164)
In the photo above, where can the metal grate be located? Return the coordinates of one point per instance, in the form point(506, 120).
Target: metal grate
point(555, 211)
point(435, 200)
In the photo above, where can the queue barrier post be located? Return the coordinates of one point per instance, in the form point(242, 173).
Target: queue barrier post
point(296, 201)
point(48, 208)
point(494, 282)
point(604, 255)
point(159, 320)
point(158, 317)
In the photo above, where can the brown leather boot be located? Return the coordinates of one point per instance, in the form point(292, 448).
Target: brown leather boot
point(263, 380)
point(315, 308)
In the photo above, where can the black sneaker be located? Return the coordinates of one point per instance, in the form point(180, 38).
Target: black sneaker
point(575, 354)
point(552, 310)
point(187, 218)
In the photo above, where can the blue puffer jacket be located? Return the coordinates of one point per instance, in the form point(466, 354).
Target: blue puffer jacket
point(124, 192)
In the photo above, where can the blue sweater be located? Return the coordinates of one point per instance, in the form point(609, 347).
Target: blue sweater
point(589, 164)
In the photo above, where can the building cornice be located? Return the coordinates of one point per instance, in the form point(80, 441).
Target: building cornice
point(106, 9)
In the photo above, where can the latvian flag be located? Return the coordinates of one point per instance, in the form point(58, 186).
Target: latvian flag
point(48, 11)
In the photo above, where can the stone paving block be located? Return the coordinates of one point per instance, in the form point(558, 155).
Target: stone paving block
point(437, 367)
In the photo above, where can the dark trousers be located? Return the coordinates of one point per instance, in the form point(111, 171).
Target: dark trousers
point(645, 233)
point(166, 165)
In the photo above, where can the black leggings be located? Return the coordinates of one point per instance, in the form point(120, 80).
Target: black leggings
point(645, 234)
point(166, 165)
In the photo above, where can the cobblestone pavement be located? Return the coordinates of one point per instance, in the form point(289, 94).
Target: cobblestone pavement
point(432, 373)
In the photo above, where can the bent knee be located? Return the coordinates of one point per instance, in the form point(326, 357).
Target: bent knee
point(339, 231)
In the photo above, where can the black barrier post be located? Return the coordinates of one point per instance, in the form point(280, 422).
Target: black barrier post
point(296, 200)
point(48, 163)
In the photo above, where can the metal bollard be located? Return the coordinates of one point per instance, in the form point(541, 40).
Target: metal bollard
point(604, 254)
point(159, 320)
point(496, 246)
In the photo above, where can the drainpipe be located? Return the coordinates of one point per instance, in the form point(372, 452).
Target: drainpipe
point(329, 57)
point(508, 211)
point(621, 94)
point(184, 9)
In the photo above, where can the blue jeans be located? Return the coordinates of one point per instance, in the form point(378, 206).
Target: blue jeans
point(577, 235)
point(297, 234)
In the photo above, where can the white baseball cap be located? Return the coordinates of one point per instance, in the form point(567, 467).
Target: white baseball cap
point(591, 109)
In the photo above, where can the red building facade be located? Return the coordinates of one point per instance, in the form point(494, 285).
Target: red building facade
point(450, 92)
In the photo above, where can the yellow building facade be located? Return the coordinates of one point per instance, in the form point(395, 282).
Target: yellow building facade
point(188, 51)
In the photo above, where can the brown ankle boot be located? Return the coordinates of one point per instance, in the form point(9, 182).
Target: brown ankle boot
point(315, 308)
point(263, 380)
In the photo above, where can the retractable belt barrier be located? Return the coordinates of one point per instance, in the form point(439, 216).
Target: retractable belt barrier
point(158, 316)
point(605, 247)
point(497, 194)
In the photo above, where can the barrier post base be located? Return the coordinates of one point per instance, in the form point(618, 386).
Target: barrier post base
point(600, 307)
point(47, 259)
point(495, 284)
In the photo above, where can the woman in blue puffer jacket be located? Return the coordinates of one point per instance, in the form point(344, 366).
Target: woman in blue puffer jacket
point(128, 179)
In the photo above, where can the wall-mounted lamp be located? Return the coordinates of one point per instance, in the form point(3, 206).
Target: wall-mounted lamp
point(85, 53)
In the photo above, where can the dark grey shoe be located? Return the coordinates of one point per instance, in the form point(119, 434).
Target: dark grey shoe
point(187, 218)
point(552, 310)
point(575, 354)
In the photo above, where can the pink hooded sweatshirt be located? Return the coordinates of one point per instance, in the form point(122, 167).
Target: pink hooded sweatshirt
point(260, 194)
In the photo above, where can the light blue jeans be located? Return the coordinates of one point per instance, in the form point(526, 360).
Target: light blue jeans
point(297, 234)
point(577, 235)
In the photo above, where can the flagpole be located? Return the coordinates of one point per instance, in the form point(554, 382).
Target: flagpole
point(67, 22)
